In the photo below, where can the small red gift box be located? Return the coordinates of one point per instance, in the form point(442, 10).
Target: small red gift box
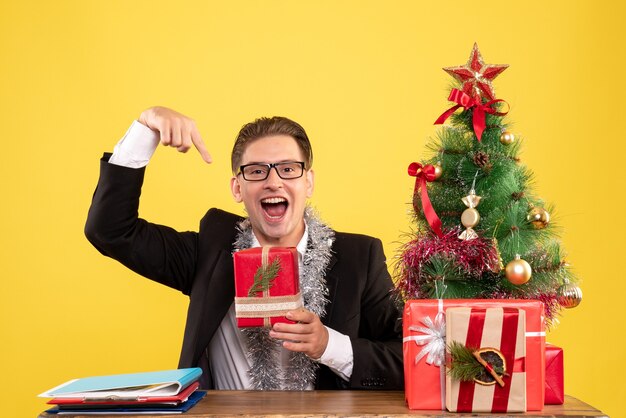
point(424, 349)
point(266, 285)
point(555, 395)
point(501, 332)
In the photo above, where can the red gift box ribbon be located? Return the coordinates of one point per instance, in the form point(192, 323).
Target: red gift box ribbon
point(507, 348)
point(478, 118)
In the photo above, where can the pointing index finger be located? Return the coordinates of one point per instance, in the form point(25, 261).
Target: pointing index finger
point(199, 144)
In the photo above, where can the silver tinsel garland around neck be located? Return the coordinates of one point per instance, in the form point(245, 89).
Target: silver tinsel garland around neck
point(264, 351)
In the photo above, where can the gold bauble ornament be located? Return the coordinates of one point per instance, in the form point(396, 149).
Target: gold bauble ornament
point(569, 295)
point(507, 138)
point(518, 271)
point(539, 217)
point(438, 170)
point(470, 218)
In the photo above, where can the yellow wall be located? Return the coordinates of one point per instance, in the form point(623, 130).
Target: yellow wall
point(364, 78)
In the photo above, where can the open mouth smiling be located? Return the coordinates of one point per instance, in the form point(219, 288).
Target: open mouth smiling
point(274, 207)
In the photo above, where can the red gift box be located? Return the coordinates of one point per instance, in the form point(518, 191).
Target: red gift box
point(266, 285)
point(555, 394)
point(501, 330)
point(424, 349)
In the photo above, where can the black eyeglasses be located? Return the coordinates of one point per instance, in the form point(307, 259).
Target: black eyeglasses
point(259, 172)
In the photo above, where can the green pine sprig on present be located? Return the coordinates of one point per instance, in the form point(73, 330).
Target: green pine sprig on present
point(264, 277)
point(464, 366)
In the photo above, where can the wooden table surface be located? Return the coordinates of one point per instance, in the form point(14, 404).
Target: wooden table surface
point(336, 404)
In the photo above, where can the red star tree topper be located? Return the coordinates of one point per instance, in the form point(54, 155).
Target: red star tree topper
point(476, 76)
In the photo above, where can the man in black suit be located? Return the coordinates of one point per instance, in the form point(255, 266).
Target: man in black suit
point(349, 334)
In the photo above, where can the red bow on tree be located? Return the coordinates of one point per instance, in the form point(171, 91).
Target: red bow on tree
point(422, 174)
point(465, 101)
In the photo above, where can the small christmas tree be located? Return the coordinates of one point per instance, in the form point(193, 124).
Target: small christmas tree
point(480, 230)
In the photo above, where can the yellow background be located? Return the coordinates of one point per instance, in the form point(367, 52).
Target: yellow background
point(363, 77)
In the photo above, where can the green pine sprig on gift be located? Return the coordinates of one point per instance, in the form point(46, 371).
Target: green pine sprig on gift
point(464, 366)
point(264, 277)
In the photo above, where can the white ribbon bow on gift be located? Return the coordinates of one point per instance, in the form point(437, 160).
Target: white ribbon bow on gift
point(433, 340)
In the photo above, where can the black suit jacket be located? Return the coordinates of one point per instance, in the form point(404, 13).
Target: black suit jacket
point(200, 265)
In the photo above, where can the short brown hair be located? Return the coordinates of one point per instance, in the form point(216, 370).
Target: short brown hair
point(263, 127)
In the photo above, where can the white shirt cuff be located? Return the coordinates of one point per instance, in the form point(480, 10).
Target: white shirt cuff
point(136, 147)
point(338, 355)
